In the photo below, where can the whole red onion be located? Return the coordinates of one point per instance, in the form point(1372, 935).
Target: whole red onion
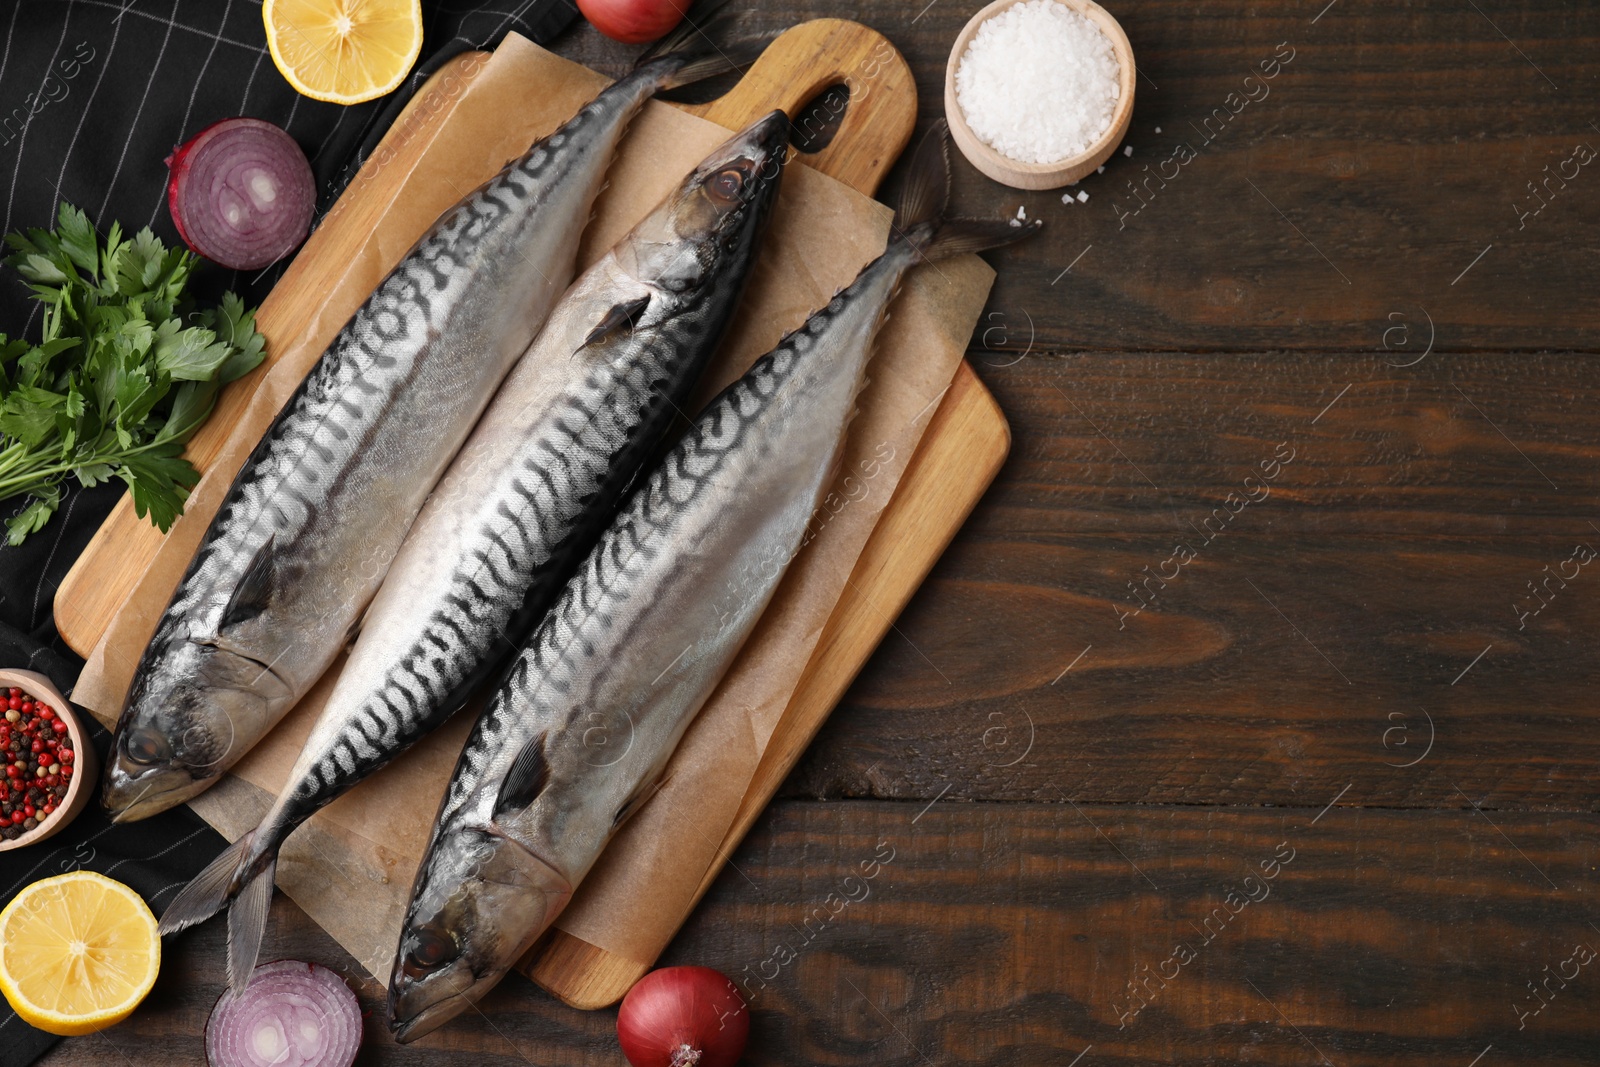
point(683, 1017)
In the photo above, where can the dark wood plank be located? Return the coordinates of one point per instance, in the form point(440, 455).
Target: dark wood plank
point(1010, 934)
point(1308, 643)
point(1390, 151)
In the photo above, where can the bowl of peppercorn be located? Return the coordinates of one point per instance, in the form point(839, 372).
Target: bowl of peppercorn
point(49, 763)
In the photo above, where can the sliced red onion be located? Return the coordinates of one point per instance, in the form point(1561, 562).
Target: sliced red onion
point(292, 1014)
point(241, 193)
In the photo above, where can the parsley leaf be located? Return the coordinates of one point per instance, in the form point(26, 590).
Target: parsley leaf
point(125, 372)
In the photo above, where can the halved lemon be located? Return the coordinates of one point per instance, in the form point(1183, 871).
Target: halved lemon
point(344, 51)
point(78, 952)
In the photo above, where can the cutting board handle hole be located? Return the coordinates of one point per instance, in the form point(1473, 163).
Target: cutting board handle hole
point(818, 120)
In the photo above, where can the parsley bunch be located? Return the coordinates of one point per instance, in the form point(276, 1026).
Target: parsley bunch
point(125, 373)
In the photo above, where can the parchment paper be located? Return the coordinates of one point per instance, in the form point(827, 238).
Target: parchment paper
point(352, 865)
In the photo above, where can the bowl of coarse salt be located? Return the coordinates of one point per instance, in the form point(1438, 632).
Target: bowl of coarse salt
point(1039, 92)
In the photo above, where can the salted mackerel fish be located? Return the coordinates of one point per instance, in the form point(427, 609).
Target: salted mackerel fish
point(528, 495)
point(315, 516)
point(579, 732)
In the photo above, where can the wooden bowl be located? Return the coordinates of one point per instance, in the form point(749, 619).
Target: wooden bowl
point(1042, 175)
point(85, 766)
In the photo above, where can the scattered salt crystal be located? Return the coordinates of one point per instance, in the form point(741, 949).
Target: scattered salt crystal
point(1038, 82)
point(1022, 212)
point(1127, 150)
point(1066, 198)
point(1158, 129)
point(1083, 198)
point(1101, 169)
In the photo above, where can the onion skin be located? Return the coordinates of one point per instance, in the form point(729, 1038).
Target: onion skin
point(634, 21)
point(205, 179)
point(683, 1017)
point(286, 991)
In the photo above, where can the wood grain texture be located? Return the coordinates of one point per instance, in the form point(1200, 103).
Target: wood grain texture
point(1009, 934)
point(1307, 645)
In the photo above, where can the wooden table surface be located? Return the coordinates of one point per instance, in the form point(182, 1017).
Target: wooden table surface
point(1251, 718)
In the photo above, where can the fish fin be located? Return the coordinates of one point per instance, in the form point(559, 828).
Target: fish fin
point(690, 53)
point(209, 891)
point(526, 779)
point(247, 921)
point(927, 190)
point(920, 218)
point(250, 595)
point(953, 237)
point(637, 801)
point(620, 315)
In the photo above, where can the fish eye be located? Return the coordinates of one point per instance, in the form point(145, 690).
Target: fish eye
point(146, 747)
point(726, 184)
point(428, 950)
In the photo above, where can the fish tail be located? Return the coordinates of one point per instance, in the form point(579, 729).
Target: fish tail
point(921, 220)
point(690, 53)
point(242, 877)
point(247, 921)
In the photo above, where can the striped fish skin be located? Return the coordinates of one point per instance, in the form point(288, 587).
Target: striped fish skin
point(579, 732)
point(318, 511)
point(541, 473)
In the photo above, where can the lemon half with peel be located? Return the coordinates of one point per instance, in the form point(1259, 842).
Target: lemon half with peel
point(78, 952)
point(344, 51)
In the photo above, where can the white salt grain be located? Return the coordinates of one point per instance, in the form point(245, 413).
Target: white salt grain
point(1127, 150)
point(1083, 198)
point(1158, 129)
point(1038, 82)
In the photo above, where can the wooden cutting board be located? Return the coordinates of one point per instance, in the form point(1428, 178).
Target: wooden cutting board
point(962, 449)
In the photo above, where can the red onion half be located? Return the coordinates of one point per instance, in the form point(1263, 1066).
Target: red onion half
point(683, 1017)
point(241, 193)
point(292, 1014)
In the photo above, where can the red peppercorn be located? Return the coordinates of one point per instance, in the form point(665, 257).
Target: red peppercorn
point(67, 755)
point(46, 711)
point(15, 703)
point(13, 692)
point(17, 817)
point(13, 771)
point(60, 726)
point(66, 770)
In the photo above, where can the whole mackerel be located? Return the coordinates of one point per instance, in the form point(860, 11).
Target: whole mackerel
point(315, 516)
point(579, 732)
point(531, 491)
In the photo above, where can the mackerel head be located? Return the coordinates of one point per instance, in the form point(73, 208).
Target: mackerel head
point(316, 514)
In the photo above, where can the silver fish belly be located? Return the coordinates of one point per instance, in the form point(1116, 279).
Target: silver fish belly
point(311, 523)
